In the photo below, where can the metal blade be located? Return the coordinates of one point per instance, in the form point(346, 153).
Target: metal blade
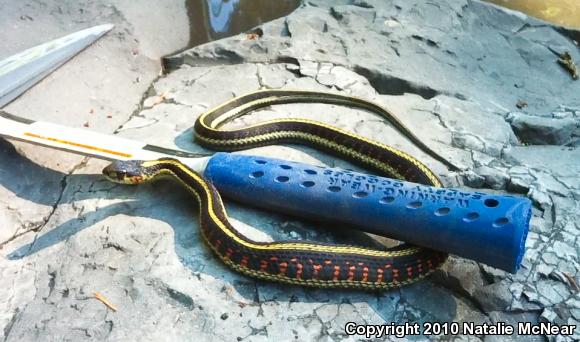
point(21, 71)
point(88, 143)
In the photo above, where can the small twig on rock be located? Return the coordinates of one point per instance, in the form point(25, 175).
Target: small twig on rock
point(103, 300)
point(572, 281)
point(162, 97)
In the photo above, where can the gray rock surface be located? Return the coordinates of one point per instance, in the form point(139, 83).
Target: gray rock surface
point(451, 70)
point(539, 130)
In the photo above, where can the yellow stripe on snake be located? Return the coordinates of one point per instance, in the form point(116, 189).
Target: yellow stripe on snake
point(298, 262)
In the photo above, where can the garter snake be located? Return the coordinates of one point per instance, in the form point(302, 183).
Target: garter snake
point(297, 262)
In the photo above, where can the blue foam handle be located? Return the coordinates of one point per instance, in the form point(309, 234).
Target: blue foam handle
point(487, 228)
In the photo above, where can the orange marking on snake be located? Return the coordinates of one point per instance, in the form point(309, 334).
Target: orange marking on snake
point(263, 265)
point(351, 270)
point(229, 252)
point(244, 261)
point(299, 271)
point(419, 266)
point(336, 273)
point(365, 275)
point(316, 271)
point(410, 271)
point(395, 274)
point(283, 267)
point(379, 275)
point(218, 243)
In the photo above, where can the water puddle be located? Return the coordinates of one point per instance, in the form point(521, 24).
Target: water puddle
point(215, 19)
point(561, 12)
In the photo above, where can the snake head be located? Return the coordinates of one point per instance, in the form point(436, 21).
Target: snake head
point(126, 172)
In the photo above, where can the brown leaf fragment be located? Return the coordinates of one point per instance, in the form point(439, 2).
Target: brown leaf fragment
point(567, 63)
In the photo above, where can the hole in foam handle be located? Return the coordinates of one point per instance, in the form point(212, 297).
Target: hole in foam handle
point(310, 172)
point(256, 174)
point(360, 194)
point(387, 200)
point(491, 202)
point(285, 167)
point(414, 205)
point(307, 184)
point(442, 211)
point(282, 179)
point(259, 161)
point(471, 217)
point(333, 188)
point(502, 221)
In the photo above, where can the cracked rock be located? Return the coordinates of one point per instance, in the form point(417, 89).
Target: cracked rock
point(544, 131)
point(493, 178)
point(445, 69)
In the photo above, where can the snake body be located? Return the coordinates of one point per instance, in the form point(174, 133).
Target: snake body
point(297, 262)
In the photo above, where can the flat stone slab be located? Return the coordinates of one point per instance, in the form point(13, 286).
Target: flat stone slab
point(68, 233)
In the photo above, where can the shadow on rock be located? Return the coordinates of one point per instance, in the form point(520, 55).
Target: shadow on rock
point(168, 202)
point(27, 179)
